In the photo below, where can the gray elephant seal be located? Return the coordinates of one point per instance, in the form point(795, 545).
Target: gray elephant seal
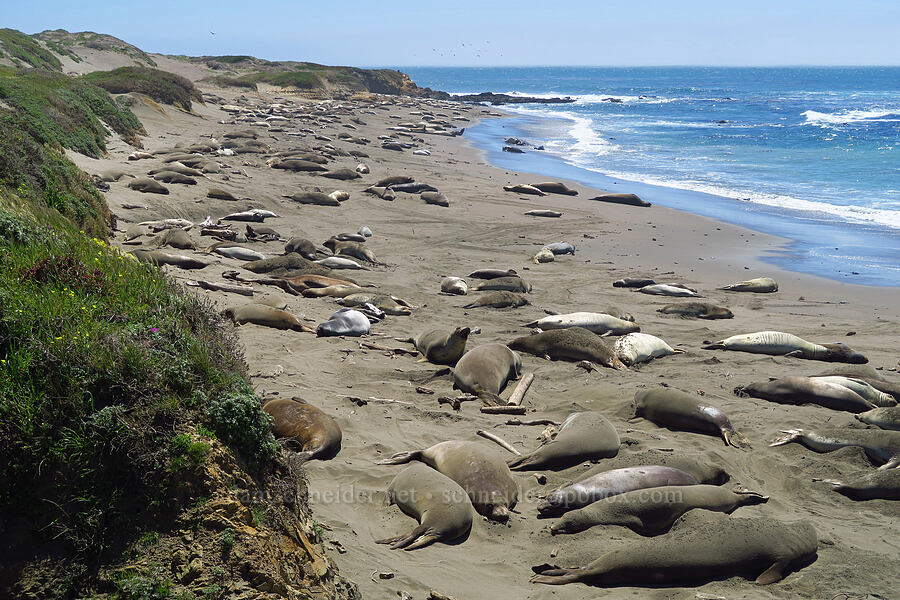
point(887, 417)
point(177, 238)
point(389, 304)
point(498, 299)
point(559, 248)
point(442, 348)
point(611, 483)
point(582, 436)
point(314, 198)
point(239, 252)
point(454, 285)
point(173, 177)
point(637, 347)
point(667, 289)
point(868, 374)
point(653, 511)
point(700, 548)
point(145, 185)
point(220, 194)
point(343, 174)
point(599, 323)
point(627, 199)
point(760, 285)
point(492, 273)
point(436, 198)
point(633, 282)
point(543, 213)
point(158, 257)
point(523, 189)
point(439, 504)
point(672, 408)
point(317, 434)
point(354, 249)
point(867, 391)
point(486, 370)
point(880, 485)
point(777, 343)
point(346, 321)
point(806, 390)
point(573, 344)
point(301, 246)
point(176, 167)
point(882, 446)
point(507, 284)
point(698, 310)
point(393, 180)
point(260, 314)
point(554, 187)
point(478, 468)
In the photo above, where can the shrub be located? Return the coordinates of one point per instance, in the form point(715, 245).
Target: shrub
point(239, 421)
point(161, 86)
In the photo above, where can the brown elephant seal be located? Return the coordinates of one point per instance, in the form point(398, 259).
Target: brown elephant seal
point(868, 374)
point(880, 485)
point(354, 249)
point(114, 175)
point(289, 262)
point(599, 323)
point(611, 483)
point(382, 192)
point(627, 199)
point(343, 174)
point(176, 238)
point(147, 186)
point(317, 434)
point(633, 282)
point(866, 390)
point(393, 180)
point(673, 408)
point(701, 547)
point(573, 344)
point(478, 468)
point(492, 273)
point(177, 167)
point(332, 291)
point(485, 370)
point(220, 194)
point(882, 446)
point(886, 417)
point(296, 164)
point(260, 314)
point(391, 305)
point(435, 198)
point(583, 436)
point(301, 246)
point(173, 177)
point(806, 390)
point(319, 281)
point(498, 299)
point(638, 347)
point(554, 187)
point(454, 285)
point(439, 504)
point(697, 310)
point(507, 284)
point(314, 198)
point(543, 213)
point(442, 348)
point(653, 511)
point(778, 343)
point(158, 257)
point(523, 189)
point(760, 285)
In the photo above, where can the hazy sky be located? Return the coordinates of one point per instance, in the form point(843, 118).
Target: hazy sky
point(465, 33)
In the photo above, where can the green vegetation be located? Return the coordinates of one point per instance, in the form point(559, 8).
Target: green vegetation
point(23, 49)
point(225, 81)
point(230, 59)
point(161, 86)
point(302, 80)
point(95, 41)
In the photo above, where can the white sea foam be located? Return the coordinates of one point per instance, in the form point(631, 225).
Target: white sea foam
point(851, 117)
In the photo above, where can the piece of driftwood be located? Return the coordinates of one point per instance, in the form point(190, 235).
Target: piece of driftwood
point(374, 346)
point(521, 389)
point(456, 403)
point(222, 287)
point(534, 422)
point(498, 440)
point(318, 562)
point(421, 389)
point(503, 410)
point(434, 595)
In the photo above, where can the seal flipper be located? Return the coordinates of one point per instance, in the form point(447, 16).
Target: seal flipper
point(401, 458)
point(558, 576)
point(774, 573)
point(412, 540)
point(736, 439)
point(891, 464)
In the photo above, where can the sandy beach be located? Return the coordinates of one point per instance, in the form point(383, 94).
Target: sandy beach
point(485, 227)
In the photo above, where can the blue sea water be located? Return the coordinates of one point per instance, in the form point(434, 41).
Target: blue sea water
point(812, 154)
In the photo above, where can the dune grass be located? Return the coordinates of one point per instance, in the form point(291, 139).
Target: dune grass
point(161, 86)
point(23, 49)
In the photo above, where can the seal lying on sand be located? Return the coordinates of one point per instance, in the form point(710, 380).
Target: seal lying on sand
point(884, 485)
point(499, 299)
point(523, 189)
point(260, 314)
point(669, 407)
point(454, 285)
point(158, 257)
point(354, 249)
point(633, 282)
point(478, 468)
point(301, 246)
point(880, 445)
point(507, 284)
point(778, 343)
point(582, 436)
point(442, 348)
point(699, 310)
point(700, 548)
point(599, 323)
point(628, 199)
point(492, 273)
point(668, 289)
point(345, 322)
point(145, 185)
point(760, 285)
point(868, 374)
point(441, 506)
point(642, 347)
point(875, 396)
point(806, 390)
point(653, 511)
point(887, 417)
point(318, 435)
point(389, 304)
point(574, 344)
point(554, 187)
point(486, 370)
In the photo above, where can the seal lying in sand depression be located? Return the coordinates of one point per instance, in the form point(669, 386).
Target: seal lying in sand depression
point(441, 506)
point(478, 468)
point(574, 344)
point(777, 343)
point(498, 299)
point(486, 370)
point(642, 347)
point(880, 485)
point(887, 417)
point(806, 390)
point(867, 391)
point(583, 436)
point(653, 511)
point(507, 284)
point(699, 310)
point(599, 323)
point(454, 285)
point(673, 408)
point(701, 547)
point(145, 185)
point(158, 257)
point(442, 348)
point(345, 322)
point(760, 285)
point(668, 289)
point(868, 374)
point(260, 314)
point(880, 445)
point(317, 434)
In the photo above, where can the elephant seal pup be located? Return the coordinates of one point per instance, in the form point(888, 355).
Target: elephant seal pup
point(492, 273)
point(293, 263)
point(806, 390)
point(599, 323)
point(882, 446)
point(439, 504)
point(777, 343)
point(760, 285)
point(343, 174)
point(887, 417)
point(301, 246)
point(173, 177)
point(667, 289)
point(701, 547)
point(338, 262)
point(486, 370)
point(868, 374)
point(317, 434)
point(239, 252)
point(698, 310)
point(558, 248)
point(554, 187)
point(653, 511)
point(389, 304)
point(341, 290)
point(177, 238)
point(672, 408)
point(158, 257)
point(523, 189)
point(442, 348)
point(543, 213)
point(436, 198)
point(260, 314)
point(633, 282)
point(454, 285)
point(627, 199)
point(346, 321)
point(478, 468)
point(147, 186)
point(642, 347)
point(314, 198)
point(220, 194)
point(506, 284)
point(875, 396)
point(573, 344)
point(880, 485)
point(354, 249)
point(611, 483)
point(393, 180)
point(582, 436)
point(499, 299)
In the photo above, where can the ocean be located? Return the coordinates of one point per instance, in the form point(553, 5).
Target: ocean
point(808, 153)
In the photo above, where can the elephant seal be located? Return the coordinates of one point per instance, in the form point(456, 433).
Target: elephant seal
point(362, 169)
point(699, 310)
point(642, 347)
point(416, 187)
point(114, 175)
point(544, 255)
point(573, 344)
point(239, 252)
point(868, 374)
point(806, 390)
point(628, 199)
point(882, 446)
point(393, 180)
point(478, 468)
point(343, 174)
point(158, 257)
point(289, 262)
point(314, 198)
point(177, 238)
point(319, 281)
point(701, 547)
point(439, 504)
point(173, 177)
point(354, 249)
point(633, 282)
point(778, 343)
point(559, 248)
point(148, 186)
point(667, 289)
point(867, 391)
point(543, 213)
point(435, 198)
point(317, 434)
point(301, 246)
point(760, 285)
point(382, 192)
point(492, 273)
point(220, 194)
point(389, 304)
point(260, 314)
point(554, 187)
point(887, 417)
point(485, 370)
point(454, 285)
point(880, 485)
point(346, 321)
point(442, 348)
point(583, 436)
point(523, 189)
point(340, 290)
point(599, 323)
point(499, 299)
point(611, 483)
point(338, 262)
point(506, 284)
point(176, 167)
point(652, 511)
point(293, 164)
point(672, 408)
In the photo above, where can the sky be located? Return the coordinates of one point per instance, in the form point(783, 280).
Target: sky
point(470, 33)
